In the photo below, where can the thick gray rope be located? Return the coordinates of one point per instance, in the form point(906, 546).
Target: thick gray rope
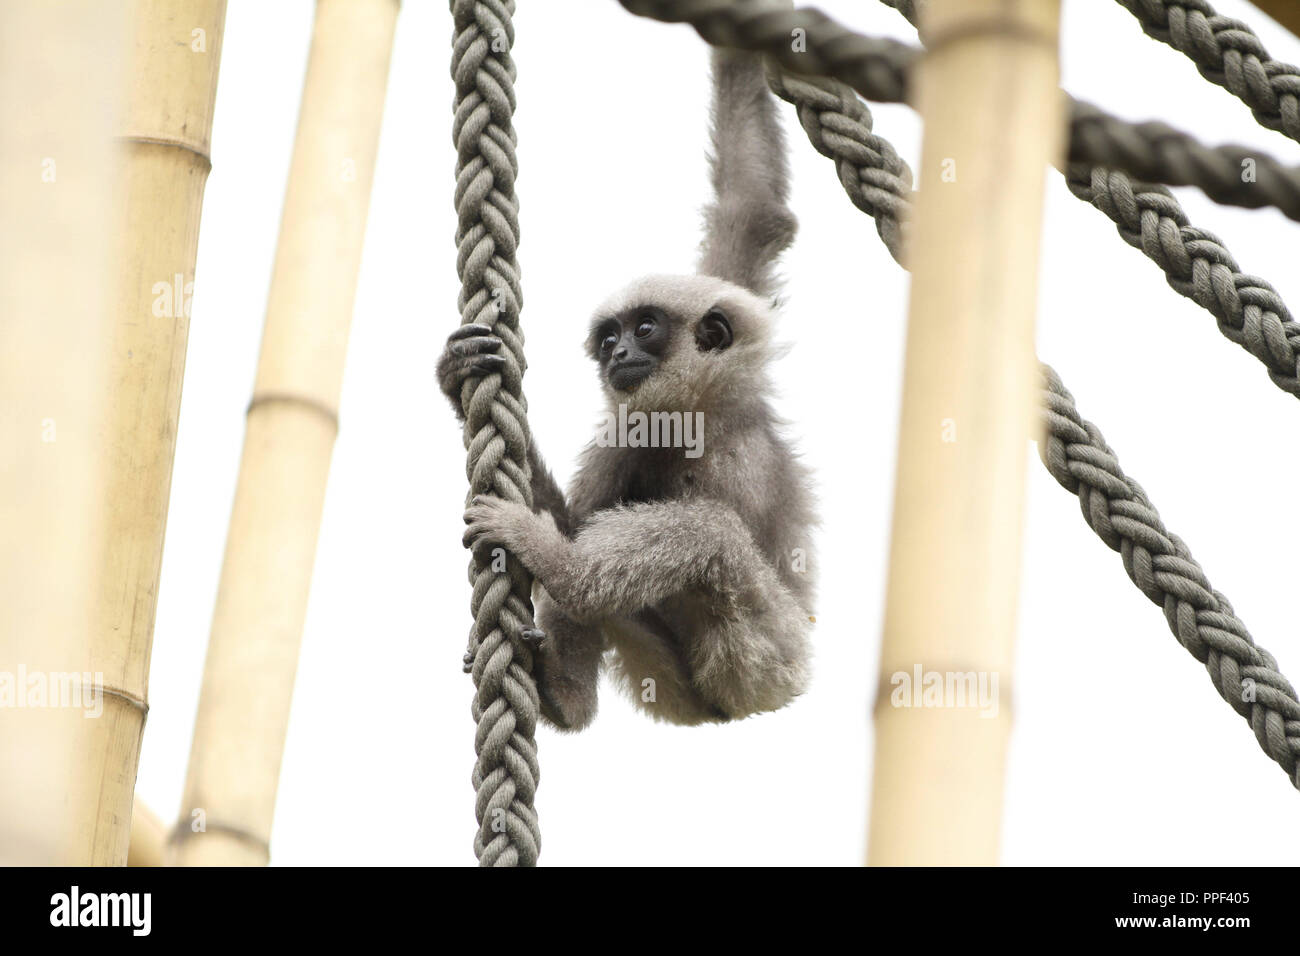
point(879, 68)
point(1227, 53)
point(1074, 452)
point(838, 125)
point(1157, 561)
point(1248, 310)
point(1195, 262)
point(496, 428)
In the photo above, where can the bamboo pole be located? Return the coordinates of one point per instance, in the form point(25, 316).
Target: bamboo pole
point(292, 420)
point(162, 133)
point(165, 137)
point(148, 837)
point(58, 172)
point(987, 92)
point(1285, 12)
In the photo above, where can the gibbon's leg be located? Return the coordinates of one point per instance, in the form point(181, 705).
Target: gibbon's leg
point(747, 646)
point(566, 666)
point(649, 665)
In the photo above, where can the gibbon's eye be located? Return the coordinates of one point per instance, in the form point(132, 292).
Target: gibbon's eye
point(645, 328)
point(609, 341)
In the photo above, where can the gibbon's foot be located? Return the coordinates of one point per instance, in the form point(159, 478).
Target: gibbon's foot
point(534, 637)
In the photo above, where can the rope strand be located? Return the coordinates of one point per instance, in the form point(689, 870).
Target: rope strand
point(1228, 54)
point(879, 69)
point(496, 434)
point(1246, 675)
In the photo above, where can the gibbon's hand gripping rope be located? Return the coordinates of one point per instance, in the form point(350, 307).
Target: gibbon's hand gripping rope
point(838, 125)
point(496, 428)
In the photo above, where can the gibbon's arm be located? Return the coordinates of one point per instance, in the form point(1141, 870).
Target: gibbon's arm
point(547, 496)
point(628, 558)
point(740, 649)
point(749, 223)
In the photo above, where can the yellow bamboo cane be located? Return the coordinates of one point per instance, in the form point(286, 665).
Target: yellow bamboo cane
point(165, 137)
point(133, 132)
point(987, 92)
point(148, 836)
point(58, 173)
point(262, 599)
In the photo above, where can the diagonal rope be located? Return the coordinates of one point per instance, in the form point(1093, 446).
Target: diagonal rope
point(879, 69)
point(1227, 53)
point(839, 126)
point(1159, 563)
point(505, 702)
point(1197, 265)
point(1248, 310)
point(1074, 452)
point(1195, 262)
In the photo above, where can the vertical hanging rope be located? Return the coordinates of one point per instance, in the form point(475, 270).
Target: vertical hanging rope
point(496, 428)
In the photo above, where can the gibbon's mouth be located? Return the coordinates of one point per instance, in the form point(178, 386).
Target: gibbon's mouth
point(628, 374)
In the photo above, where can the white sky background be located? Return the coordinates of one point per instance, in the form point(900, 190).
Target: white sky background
point(1122, 750)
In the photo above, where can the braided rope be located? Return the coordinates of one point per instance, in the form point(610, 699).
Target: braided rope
point(1154, 151)
point(838, 125)
point(1197, 265)
point(879, 69)
point(1248, 310)
point(1114, 506)
point(1195, 262)
point(496, 428)
point(1227, 53)
point(1159, 563)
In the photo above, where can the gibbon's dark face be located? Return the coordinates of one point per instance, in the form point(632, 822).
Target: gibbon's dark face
point(629, 347)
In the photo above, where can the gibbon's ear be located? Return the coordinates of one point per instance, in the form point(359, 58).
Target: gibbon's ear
point(713, 334)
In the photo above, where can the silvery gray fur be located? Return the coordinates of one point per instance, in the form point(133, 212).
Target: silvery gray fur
point(689, 577)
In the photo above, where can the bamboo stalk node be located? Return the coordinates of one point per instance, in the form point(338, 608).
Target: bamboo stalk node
point(994, 26)
point(133, 700)
point(290, 428)
point(183, 831)
point(302, 401)
point(198, 147)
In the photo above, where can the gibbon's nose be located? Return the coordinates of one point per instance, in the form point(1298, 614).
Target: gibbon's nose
point(620, 353)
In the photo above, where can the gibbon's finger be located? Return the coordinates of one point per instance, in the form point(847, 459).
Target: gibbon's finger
point(472, 345)
point(478, 509)
point(470, 366)
point(485, 363)
point(471, 329)
point(481, 547)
